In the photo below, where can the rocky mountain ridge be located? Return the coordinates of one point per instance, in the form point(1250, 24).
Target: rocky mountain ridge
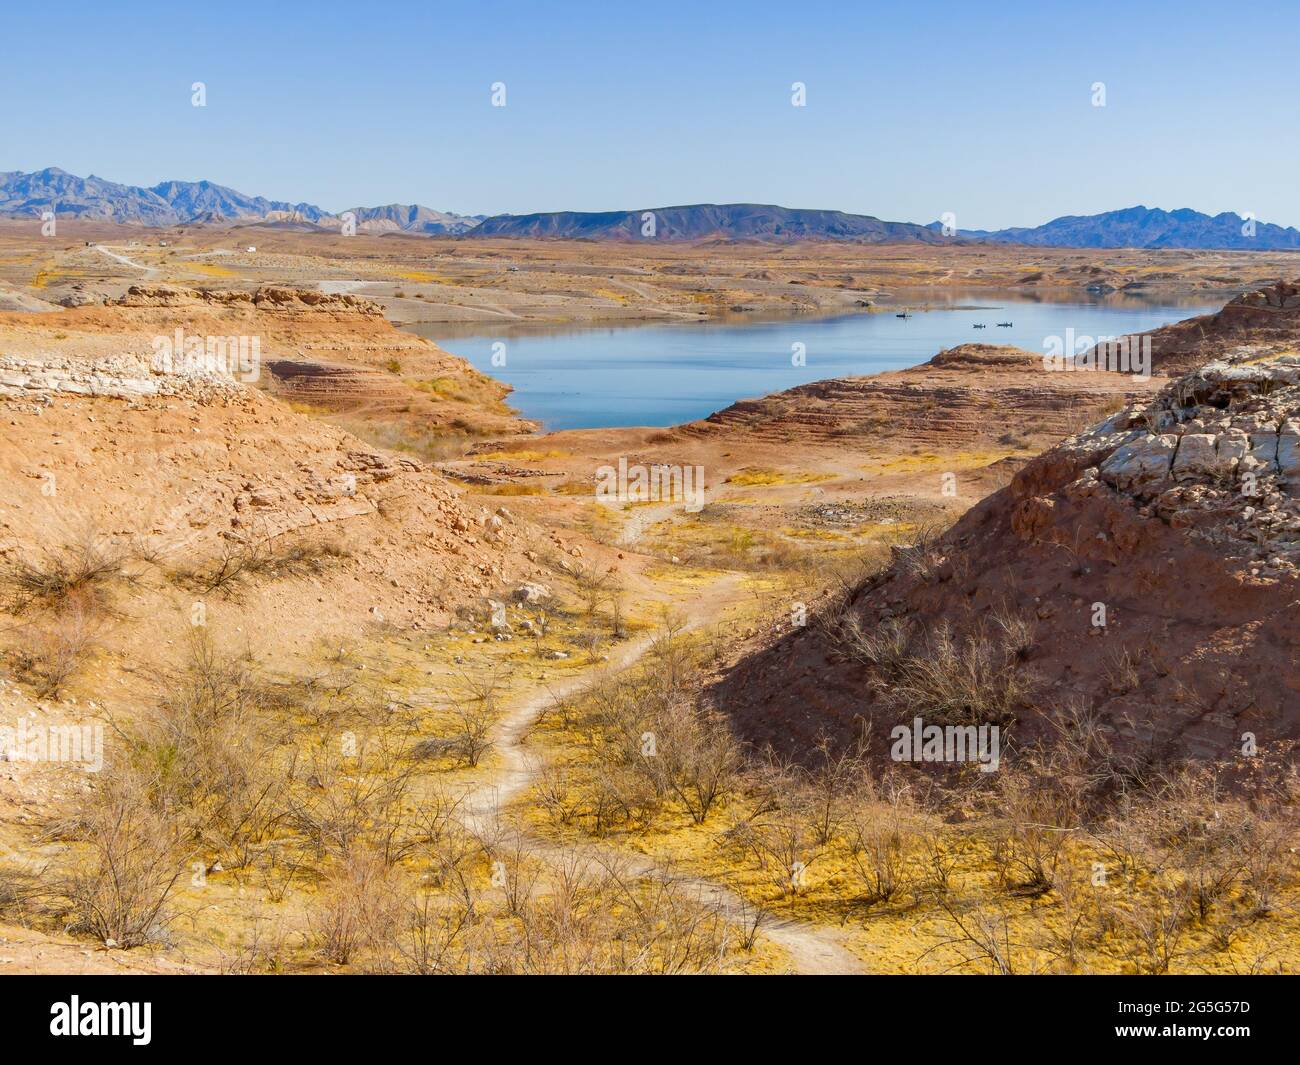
point(172, 203)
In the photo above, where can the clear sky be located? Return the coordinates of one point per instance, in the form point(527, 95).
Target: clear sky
point(981, 109)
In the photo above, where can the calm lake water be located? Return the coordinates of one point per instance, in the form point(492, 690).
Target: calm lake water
point(664, 374)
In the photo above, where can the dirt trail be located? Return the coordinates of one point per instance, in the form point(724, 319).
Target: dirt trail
point(644, 516)
point(812, 949)
point(150, 273)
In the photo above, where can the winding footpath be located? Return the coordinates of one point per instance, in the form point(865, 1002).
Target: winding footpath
point(811, 949)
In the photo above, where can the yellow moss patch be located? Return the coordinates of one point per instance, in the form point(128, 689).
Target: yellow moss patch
point(210, 270)
point(762, 475)
point(523, 455)
point(575, 488)
point(952, 460)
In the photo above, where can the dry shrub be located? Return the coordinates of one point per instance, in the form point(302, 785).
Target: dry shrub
point(661, 738)
point(359, 908)
point(557, 794)
point(22, 882)
point(136, 860)
point(1036, 820)
point(53, 650)
point(884, 651)
point(885, 829)
point(1079, 923)
point(439, 939)
point(1214, 849)
point(775, 824)
point(337, 802)
point(653, 742)
point(622, 795)
point(209, 748)
point(923, 558)
point(261, 950)
point(84, 569)
point(978, 680)
point(844, 581)
point(980, 939)
point(240, 561)
point(579, 914)
point(1015, 632)
point(594, 917)
point(1156, 923)
point(476, 716)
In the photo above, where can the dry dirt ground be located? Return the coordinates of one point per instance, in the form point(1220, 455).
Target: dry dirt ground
point(544, 282)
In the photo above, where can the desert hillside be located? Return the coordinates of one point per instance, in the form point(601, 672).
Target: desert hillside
point(1257, 323)
point(968, 395)
point(1143, 572)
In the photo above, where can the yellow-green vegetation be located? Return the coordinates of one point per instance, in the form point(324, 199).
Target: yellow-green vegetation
point(727, 536)
point(926, 461)
point(752, 476)
point(800, 532)
point(1070, 858)
point(523, 455)
point(575, 488)
point(319, 813)
point(210, 270)
point(477, 390)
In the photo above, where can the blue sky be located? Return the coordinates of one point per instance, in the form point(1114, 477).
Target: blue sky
point(912, 109)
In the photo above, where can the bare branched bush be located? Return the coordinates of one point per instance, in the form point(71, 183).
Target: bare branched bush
point(598, 917)
point(555, 792)
point(136, 859)
point(55, 649)
point(1035, 825)
point(439, 938)
point(884, 651)
point(981, 940)
point(786, 848)
point(655, 742)
point(207, 745)
point(833, 782)
point(84, 569)
point(1156, 921)
point(339, 802)
point(883, 833)
point(241, 560)
point(358, 910)
point(977, 680)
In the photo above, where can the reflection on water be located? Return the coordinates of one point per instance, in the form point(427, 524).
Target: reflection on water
point(664, 373)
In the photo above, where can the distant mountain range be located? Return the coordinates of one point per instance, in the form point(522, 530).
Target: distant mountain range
point(1135, 227)
point(1145, 227)
point(26, 195)
point(701, 221)
point(199, 202)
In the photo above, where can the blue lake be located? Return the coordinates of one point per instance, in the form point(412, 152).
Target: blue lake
point(663, 374)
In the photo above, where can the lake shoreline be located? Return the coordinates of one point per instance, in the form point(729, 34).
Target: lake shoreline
point(661, 374)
